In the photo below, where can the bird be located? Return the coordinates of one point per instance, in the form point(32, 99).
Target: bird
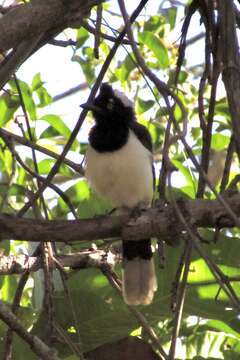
point(119, 167)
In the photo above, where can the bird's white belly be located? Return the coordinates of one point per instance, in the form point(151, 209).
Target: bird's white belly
point(123, 176)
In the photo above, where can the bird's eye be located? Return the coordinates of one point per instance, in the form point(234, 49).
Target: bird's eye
point(110, 104)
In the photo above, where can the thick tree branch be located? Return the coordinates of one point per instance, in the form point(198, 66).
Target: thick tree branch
point(86, 259)
point(27, 27)
point(157, 221)
point(32, 19)
point(231, 64)
point(16, 58)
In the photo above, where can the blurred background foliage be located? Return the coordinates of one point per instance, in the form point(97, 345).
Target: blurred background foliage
point(96, 315)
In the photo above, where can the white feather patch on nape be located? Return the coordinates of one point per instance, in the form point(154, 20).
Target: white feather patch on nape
point(125, 100)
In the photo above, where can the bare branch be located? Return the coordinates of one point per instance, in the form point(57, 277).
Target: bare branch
point(21, 140)
point(114, 281)
point(71, 91)
point(97, 38)
point(86, 259)
point(16, 58)
point(35, 343)
point(216, 271)
point(94, 31)
point(180, 302)
point(231, 64)
point(35, 18)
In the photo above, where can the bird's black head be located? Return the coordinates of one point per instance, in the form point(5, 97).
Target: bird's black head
point(113, 114)
point(111, 106)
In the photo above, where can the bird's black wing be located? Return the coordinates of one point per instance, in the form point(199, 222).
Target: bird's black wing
point(142, 134)
point(144, 137)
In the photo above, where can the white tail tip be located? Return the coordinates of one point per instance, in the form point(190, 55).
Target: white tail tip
point(139, 281)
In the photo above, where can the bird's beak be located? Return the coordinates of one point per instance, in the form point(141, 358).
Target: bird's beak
point(92, 107)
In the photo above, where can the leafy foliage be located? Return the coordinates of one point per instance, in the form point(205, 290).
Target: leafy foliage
point(91, 313)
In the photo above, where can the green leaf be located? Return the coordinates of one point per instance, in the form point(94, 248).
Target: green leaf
point(82, 36)
point(143, 105)
point(8, 105)
point(195, 131)
point(58, 124)
point(219, 141)
point(202, 345)
point(96, 309)
point(172, 15)
point(221, 326)
point(49, 132)
point(43, 95)
point(124, 69)
point(154, 24)
point(78, 193)
point(45, 166)
point(230, 355)
point(98, 306)
point(156, 131)
point(8, 288)
point(26, 92)
point(6, 164)
point(12, 190)
point(190, 180)
point(156, 46)
point(36, 82)
point(222, 108)
point(88, 63)
point(93, 205)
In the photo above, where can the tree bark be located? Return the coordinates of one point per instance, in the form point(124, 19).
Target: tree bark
point(160, 221)
point(29, 20)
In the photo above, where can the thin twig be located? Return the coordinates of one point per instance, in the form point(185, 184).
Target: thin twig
point(17, 56)
point(47, 272)
point(62, 43)
point(93, 31)
point(8, 341)
point(181, 291)
point(71, 91)
point(228, 163)
point(35, 343)
point(213, 282)
point(207, 134)
point(230, 63)
point(180, 303)
point(218, 274)
point(112, 278)
point(86, 262)
point(160, 85)
point(165, 162)
point(97, 38)
point(177, 279)
point(5, 134)
point(204, 175)
point(41, 178)
point(63, 335)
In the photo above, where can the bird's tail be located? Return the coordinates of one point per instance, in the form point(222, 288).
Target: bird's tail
point(139, 278)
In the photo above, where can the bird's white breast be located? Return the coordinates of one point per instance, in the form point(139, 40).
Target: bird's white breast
point(123, 176)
